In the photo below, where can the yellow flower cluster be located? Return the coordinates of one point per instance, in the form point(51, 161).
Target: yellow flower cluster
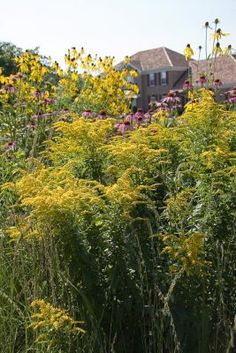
point(48, 320)
point(28, 89)
point(31, 65)
point(48, 316)
point(216, 157)
point(199, 100)
point(185, 249)
point(178, 206)
point(135, 150)
point(105, 87)
point(86, 82)
point(50, 192)
point(79, 141)
point(95, 82)
point(59, 190)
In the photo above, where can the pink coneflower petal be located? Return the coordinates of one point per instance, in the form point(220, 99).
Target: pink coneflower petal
point(217, 83)
point(9, 88)
point(10, 146)
point(123, 127)
point(102, 115)
point(147, 116)
point(187, 85)
point(232, 100)
point(87, 113)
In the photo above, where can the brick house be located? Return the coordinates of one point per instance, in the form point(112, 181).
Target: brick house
point(159, 71)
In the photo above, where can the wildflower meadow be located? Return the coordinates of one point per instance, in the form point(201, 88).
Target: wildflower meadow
point(117, 226)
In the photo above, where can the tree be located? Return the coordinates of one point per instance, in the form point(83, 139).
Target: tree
point(8, 53)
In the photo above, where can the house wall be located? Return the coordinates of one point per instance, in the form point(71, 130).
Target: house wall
point(158, 90)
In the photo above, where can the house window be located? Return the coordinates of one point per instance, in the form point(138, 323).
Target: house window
point(152, 80)
point(164, 78)
point(152, 98)
point(130, 79)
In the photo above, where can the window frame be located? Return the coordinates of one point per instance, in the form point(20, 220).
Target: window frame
point(152, 80)
point(164, 80)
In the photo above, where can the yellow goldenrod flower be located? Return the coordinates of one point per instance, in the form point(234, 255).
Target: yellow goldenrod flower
point(48, 320)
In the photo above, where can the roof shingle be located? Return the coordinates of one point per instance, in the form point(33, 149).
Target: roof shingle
point(157, 58)
point(224, 68)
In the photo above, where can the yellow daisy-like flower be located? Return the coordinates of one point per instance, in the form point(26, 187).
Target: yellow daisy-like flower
point(217, 49)
point(219, 34)
point(227, 50)
point(188, 52)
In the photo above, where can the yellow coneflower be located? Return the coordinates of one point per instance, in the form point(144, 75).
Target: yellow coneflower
point(217, 49)
point(188, 52)
point(219, 34)
point(227, 50)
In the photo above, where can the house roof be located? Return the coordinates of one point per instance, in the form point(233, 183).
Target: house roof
point(158, 58)
point(224, 68)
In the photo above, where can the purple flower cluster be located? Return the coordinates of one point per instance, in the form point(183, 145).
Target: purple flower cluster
point(169, 105)
point(92, 115)
point(135, 120)
point(203, 81)
point(231, 96)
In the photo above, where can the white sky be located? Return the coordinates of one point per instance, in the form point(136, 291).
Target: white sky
point(112, 27)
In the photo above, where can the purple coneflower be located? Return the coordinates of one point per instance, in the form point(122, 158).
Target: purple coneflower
point(37, 94)
point(148, 116)
point(102, 115)
point(187, 84)
point(124, 126)
point(130, 118)
point(202, 80)
point(232, 100)
point(48, 101)
point(171, 99)
point(10, 146)
point(217, 83)
point(9, 88)
point(162, 106)
point(42, 116)
point(87, 113)
point(139, 114)
point(17, 77)
point(232, 92)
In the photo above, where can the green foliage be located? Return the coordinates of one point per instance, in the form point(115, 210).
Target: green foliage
point(8, 54)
